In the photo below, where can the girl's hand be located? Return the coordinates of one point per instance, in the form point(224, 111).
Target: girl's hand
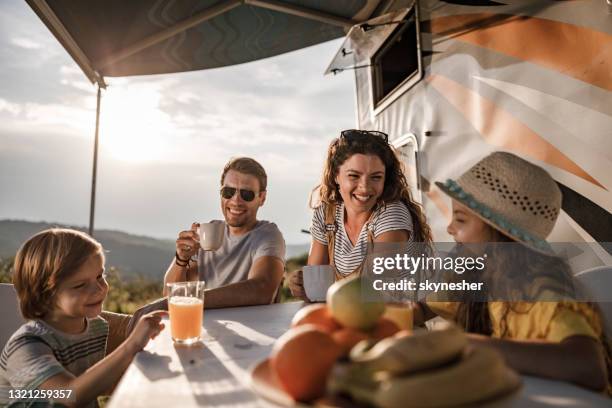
point(148, 327)
point(296, 285)
point(188, 242)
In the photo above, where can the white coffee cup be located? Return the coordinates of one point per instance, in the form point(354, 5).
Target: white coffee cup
point(211, 235)
point(317, 279)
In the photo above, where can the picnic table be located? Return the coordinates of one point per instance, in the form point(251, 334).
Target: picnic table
point(218, 371)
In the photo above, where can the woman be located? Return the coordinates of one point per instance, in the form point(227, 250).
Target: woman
point(505, 199)
point(364, 199)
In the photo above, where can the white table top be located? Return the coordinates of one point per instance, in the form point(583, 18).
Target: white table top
point(217, 373)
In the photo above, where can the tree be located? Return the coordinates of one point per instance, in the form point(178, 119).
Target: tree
point(6, 270)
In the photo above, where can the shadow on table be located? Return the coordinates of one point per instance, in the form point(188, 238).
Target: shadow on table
point(239, 348)
point(237, 345)
point(157, 367)
point(211, 382)
point(272, 325)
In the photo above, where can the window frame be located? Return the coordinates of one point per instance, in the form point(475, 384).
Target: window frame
point(408, 139)
point(374, 72)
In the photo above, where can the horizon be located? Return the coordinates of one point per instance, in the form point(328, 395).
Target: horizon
point(85, 227)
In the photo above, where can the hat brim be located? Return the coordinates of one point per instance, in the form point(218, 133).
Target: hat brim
point(544, 247)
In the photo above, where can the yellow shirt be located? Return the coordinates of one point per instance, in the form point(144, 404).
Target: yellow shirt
point(550, 321)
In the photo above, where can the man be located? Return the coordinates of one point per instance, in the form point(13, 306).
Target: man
point(248, 267)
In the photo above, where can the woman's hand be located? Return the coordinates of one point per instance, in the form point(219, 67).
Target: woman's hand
point(296, 285)
point(148, 327)
point(188, 242)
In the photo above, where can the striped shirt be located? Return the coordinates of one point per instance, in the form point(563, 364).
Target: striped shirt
point(348, 257)
point(37, 352)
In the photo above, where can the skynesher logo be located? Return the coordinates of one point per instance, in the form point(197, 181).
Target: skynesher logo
point(426, 286)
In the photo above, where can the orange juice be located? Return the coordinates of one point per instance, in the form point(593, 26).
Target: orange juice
point(186, 316)
point(400, 314)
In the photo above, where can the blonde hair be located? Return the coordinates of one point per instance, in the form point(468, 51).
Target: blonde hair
point(44, 261)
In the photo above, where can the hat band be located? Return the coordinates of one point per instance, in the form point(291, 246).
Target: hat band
point(494, 217)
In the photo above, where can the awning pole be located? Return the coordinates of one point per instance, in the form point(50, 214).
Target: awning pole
point(92, 205)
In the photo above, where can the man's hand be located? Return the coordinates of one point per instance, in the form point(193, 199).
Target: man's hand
point(188, 242)
point(296, 285)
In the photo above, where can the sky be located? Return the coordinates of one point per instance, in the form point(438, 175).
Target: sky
point(164, 139)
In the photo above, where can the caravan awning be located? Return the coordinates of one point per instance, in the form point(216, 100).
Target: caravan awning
point(113, 38)
point(139, 37)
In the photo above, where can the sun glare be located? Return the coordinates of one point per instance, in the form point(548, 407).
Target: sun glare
point(132, 126)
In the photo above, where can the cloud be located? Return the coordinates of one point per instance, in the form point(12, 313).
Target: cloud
point(11, 108)
point(25, 43)
point(81, 85)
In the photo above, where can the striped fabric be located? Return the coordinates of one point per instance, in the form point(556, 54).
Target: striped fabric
point(37, 352)
point(393, 216)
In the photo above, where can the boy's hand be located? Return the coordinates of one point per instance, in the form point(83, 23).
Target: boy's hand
point(159, 304)
point(148, 327)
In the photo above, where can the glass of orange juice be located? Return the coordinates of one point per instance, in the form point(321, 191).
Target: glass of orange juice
point(401, 313)
point(186, 309)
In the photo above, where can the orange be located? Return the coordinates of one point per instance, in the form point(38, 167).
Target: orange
point(316, 314)
point(302, 358)
point(346, 338)
point(384, 328)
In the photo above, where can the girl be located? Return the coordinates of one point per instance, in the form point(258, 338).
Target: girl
point(59, 279)
point(364, 199)
point(504, 198)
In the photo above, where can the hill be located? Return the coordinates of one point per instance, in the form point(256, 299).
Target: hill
point(134, 255)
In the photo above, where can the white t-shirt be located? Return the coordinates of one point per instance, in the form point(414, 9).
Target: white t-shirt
point(232, 262)
point(347, 257)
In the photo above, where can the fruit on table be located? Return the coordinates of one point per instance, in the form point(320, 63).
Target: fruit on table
point(354, 303)
point(421, 350)
point(316, 314)
point(302, 359)
point(479, 375)
point(347, 338)
point(384, 328)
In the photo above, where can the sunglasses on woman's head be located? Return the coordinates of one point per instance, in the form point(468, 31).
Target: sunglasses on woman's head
point(356, 133)
point(228, 192)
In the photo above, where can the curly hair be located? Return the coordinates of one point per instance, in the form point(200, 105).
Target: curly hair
point(395, 188)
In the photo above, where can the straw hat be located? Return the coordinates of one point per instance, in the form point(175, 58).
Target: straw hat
point(517, 198)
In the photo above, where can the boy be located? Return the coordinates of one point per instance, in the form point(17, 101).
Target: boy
point(60, 352)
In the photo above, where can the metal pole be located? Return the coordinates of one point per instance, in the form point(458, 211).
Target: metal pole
point(92, 205)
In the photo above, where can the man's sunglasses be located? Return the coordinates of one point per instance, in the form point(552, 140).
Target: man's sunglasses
point(356, 133)
point(228, 192)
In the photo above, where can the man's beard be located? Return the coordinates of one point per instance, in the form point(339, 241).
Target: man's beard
point(237, 224)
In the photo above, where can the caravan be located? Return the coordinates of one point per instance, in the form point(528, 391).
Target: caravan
point(451, 81)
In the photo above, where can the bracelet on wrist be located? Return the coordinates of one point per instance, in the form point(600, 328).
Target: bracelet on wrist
point(180, 262)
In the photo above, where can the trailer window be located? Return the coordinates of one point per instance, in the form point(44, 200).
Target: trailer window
point(396, 66)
